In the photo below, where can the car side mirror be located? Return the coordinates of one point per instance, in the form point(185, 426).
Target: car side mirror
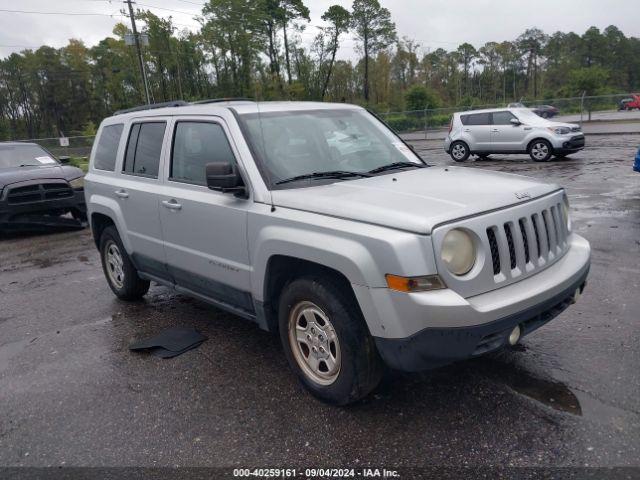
point(515, 122)
point(224, 177)
point(64, 159)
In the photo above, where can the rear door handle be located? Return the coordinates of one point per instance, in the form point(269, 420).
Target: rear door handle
point(467, 129)
point(495, 130)
point(121, 193)
point(171, 204)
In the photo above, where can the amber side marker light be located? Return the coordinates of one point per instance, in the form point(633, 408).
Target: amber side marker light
point(414, 284)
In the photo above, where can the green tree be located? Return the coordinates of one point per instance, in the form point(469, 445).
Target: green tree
point(374, 31)
point(419, 97)
point(339, 18)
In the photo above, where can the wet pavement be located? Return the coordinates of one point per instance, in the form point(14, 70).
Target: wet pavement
point(71, 393)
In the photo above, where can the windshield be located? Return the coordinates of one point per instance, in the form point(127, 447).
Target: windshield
point(24, 155)
point(295, 143)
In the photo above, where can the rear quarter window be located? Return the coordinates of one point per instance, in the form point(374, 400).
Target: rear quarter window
point(107, 148)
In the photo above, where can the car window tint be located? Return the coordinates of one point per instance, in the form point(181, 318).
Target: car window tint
point(502, 118)
point(195, 144)
point(130, 153)
point(477, 119)
point(144, 148)
point(107, 148)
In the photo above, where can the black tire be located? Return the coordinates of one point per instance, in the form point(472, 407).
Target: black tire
point(131, 286)
point(540, 150)
point(359, 367)
point(544, 115)
point(459, 151)
point(562, 155)
point(483, 156)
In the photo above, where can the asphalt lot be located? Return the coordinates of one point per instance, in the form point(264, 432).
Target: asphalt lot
point(72, 394)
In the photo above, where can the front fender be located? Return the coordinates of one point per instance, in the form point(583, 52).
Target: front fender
point(344, 255)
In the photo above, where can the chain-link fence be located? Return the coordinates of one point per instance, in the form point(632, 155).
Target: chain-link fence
point(614, 108)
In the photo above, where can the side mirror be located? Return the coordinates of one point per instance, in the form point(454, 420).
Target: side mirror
point(64, 159)
point(224, 177)
point(515, 122)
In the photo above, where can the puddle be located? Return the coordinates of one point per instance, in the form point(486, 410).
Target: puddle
point(550, 393)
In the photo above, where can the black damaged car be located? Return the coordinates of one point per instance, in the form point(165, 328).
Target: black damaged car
point(37, 190)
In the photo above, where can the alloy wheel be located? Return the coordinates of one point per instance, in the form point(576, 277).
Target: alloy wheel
point(115, 264)
point(314, 343)
point(458, 151)
point(539, 150)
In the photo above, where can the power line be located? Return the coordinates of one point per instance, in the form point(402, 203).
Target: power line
point(32, 12)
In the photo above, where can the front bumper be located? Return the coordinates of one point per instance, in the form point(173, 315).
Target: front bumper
point(573, 144)
point(44, 213)
point(431, 329)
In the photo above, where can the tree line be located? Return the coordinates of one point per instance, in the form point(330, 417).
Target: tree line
point(254, 48)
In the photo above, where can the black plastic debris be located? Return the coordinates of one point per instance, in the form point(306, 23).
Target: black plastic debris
point(170, 343)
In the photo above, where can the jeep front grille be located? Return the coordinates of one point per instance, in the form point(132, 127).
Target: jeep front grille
point(540, 238)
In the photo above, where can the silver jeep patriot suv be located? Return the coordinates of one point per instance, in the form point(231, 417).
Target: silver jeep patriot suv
point(316, 221)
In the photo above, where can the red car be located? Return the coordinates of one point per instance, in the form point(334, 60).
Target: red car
point(630, 103)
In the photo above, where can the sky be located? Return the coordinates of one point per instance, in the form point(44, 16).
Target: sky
point(432, 23)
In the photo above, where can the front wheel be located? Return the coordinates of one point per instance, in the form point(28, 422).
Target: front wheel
point(326, 341)
point(121, 275)
point(540, 150)
point(459, 151)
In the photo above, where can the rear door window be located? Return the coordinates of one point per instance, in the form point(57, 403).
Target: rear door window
point(144, 148)
point(475, 119)
point(107, 148)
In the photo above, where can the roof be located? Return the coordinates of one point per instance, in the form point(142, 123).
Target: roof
point(490, 110)
point(241, 106)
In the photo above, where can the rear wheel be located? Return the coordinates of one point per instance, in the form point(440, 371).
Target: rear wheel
point(459, 151)
point(540, 150)
point(121, 275)
point(562, 155)
point(326, 341)
point(483, 156)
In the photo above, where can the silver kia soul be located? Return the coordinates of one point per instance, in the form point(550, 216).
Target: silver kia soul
point(317, 222)
point(510, 130)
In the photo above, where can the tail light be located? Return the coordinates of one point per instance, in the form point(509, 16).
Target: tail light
point(450, 124)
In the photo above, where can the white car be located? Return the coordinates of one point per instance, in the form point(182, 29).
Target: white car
point(510, 130)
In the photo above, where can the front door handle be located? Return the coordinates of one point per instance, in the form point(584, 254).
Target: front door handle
point(495, 130)
point(467, 129)
point(121, 193)
point(171, 204)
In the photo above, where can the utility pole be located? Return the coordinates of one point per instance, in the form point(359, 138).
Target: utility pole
point(140, 60)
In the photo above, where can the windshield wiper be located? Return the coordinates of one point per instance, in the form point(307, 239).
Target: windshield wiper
point(396, 165)
point(329, 174)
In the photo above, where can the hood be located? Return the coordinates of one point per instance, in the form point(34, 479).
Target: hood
point(416, 200)
point(543, 122)
point(21, 174)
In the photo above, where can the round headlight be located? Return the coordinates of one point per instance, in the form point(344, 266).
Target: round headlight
point(458, 251)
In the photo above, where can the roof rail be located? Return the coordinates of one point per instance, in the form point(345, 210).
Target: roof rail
point(174, 103)
point(228, 99)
